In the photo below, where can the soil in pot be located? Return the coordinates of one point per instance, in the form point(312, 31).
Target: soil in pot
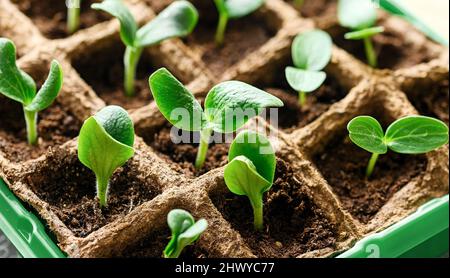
point(56, 125)
point(316, 8)
point(343, 165)
point(50, 17)
point(103, 70)
point(69, 188)
point(294, 225)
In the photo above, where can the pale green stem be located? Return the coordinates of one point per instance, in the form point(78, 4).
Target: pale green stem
point(131, 60)
point(102, 191)
point(202, 148)
point(370, 52)
point(302, 98)
point(371, 165)
point(221, 27)
point(73, 17)
point(31, 122)
point(258, 218)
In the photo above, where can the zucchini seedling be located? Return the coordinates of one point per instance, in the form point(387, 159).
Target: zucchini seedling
point(177, 20)
point(73, 15)
point(228, 106)
point(360, 16)
point(408, 135)
point(185, 231)
point(105, 143)
point(233, 9)
point(251, 170)
point(311, 52)
point(19, 86)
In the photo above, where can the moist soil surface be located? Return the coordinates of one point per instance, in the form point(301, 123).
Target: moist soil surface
point(50, 17)
point(55, 127)
point(69, 188)
point(343, 165)
point(103, 70)
point(293, 226)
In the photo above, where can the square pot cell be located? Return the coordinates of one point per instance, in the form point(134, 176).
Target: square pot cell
point(50, 17)
point(103, 69)
point(69, 189)
point(293, 224)
point(343, 165)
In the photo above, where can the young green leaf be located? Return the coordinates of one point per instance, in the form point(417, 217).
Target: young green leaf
point(73, 15)
point(19, 86)
point(106, 143)
point(177, 20)
point(228, 106)
point(408, 135)
point(233, 9)
point(304, 80)
point(251, 170)
point(185, 231)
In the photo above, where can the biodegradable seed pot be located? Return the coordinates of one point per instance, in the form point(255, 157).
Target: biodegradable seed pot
point(320, 201)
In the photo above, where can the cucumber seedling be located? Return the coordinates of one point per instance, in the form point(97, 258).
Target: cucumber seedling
point(19, 86)
point(73, 15)
point(233, 9)
point(228, 106)
point(408, 135)
point(251, 170)
point(185, 231)
point(177, 20)
point(106, 143)
point(311, 52)
point(360, 16)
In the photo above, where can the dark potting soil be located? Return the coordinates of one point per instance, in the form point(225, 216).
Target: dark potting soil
point(343, 165)
point(317, 8)
point(103, 70)
point(69, 188)
point(55, 127)
point(294, 225)
point(51, 16)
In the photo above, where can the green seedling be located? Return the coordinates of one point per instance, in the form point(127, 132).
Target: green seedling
point(408, 135)
point(233, 9)
point(311, 53)
point(228, 106)
point(105, 144)
point(185, 231)
point(19, 86)
point(251, 170)
point(177, 20)
point(73, 15)
point(360, 16)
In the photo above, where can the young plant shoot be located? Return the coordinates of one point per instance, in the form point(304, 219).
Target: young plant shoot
point(251, 170)
point(185, 231)
point(311, 52)
point(73, 15)
point(408, 135)
point(360, 16)
point(106, 143)
point(233, 9)
point(19, 86)
point(177, 20)
point(228, 106)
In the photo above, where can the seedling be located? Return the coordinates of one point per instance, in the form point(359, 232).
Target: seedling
point(73, 15)
point(360, 16)
point(233, 9)
point(177, 20)
point(185, 231)
point(228, 106)
point(311, 52)
point(19, 86)
point(408, 135)
point(106, 143)
point(251, 170)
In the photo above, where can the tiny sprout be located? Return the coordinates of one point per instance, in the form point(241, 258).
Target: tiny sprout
point(19, 86)
point(233, 9)
point(177, 20)
point(360, 16)
point(73, 15)
point(106, 143)
point(251, 170)
point(228, 106)
point(311, 52)
point(408, 135)
point(185, 231)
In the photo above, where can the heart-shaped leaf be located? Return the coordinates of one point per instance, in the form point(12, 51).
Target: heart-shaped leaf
point(240, 8)
point(304, 80)
point(367, 133)
point(357, 14)
point(312, 50)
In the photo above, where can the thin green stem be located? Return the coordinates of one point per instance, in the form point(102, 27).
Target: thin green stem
point(258, 219)
point(131, 60)
point(102, 191)
point(370, 53)
point(221, 27)
point(202, 148)
point(371, 165)
point(301, 98)
point(73, 16)
point(31, 122)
